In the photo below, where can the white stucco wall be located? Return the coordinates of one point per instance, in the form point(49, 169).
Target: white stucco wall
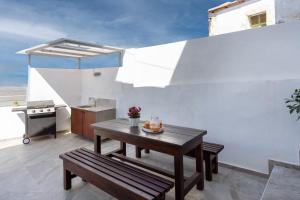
point(287, 10)
point(103, 86)
point(12, 124)
point(236, 18)
point(233, 85)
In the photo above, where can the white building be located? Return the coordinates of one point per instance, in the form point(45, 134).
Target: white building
point(246, 14)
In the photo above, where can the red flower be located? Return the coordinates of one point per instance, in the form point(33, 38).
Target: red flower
point(134, 112)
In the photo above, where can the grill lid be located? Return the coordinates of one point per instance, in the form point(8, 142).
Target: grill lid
point(40, 104)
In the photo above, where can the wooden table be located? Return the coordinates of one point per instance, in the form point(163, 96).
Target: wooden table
point(175, 141)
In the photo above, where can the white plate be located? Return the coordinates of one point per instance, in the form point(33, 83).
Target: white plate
point(150, 131)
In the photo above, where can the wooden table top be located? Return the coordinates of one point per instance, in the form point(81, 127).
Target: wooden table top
point(172, 135)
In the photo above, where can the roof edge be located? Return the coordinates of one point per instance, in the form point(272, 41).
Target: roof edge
point(225, 5)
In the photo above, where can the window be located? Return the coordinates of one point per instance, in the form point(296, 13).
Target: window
point(258, 20)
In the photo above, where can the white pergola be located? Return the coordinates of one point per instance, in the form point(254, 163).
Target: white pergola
point(71, 49)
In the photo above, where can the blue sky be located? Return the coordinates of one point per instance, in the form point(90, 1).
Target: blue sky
point(121, 23)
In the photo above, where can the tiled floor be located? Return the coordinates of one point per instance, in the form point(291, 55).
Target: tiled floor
point(34, 171)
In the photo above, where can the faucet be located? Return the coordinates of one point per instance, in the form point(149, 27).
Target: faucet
point(92, 101)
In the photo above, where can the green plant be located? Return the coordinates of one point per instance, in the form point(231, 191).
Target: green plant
point(293, 103)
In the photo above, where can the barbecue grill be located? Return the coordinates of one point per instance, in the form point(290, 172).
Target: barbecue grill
point(40, 118)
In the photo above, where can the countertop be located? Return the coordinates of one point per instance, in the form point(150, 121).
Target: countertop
point(94, 109)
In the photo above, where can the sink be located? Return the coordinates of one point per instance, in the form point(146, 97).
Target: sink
point(85, 106)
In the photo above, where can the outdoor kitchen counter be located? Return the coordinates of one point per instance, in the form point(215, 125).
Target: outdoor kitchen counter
point(94, 109)
point(82, 117)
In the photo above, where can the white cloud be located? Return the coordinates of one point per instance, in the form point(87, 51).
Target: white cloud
point(28, 29)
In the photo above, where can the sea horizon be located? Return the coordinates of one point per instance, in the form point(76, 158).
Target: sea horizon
point(13, 86)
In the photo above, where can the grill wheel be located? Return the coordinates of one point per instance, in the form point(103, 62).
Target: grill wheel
point(26, 140)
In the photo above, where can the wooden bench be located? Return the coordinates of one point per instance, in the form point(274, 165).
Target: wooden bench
point(118, 179)
point(210, 155)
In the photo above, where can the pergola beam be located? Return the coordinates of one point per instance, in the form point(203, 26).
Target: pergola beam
point(71, 49)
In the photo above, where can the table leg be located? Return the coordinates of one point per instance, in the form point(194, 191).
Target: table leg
point(179, 177)
point(123, 147)
point(138, 152)
point(199, 165)
point(97, 144)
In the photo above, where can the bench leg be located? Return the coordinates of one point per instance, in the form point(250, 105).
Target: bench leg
point(215, 165)
point(138, 151)
point(147, 150)
point(123, 147)
point(208, 168)
point(97, 144)
point(67, 179)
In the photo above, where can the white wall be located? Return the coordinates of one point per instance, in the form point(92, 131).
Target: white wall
point(287, 10)
point(236, 18)
point(102, 86)
point(233, 85)
point(61, 85)
point(71, 87)
point(12, 124)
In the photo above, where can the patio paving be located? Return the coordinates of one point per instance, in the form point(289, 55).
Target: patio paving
point(34, 171)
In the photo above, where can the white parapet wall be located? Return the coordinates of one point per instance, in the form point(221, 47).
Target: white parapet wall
point(12, 124)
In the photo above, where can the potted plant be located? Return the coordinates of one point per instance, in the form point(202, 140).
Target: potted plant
point(134, 115)
point(293, 103)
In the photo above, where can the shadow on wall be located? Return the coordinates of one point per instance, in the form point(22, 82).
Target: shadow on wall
point(147, 67)
point(60, 85)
